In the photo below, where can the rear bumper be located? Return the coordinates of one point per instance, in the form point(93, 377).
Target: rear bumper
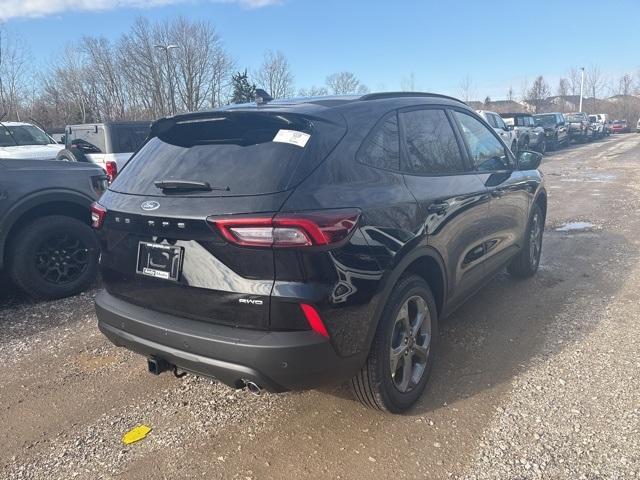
point(277, 361)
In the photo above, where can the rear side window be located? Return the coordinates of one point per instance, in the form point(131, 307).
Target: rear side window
point(236, 153)
point(430, 144)
point(128, 138)
point(487, 152)
point(382, 148)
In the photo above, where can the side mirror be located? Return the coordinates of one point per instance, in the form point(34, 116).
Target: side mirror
point(528, 160)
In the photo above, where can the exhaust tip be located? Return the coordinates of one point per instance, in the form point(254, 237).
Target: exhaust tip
point(253, 388)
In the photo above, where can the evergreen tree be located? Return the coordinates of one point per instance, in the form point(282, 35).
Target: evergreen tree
point(243, 91)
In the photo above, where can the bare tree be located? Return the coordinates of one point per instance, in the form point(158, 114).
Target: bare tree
point(408, 84)
point(223, 66)
point(574, 77)
point(345, 83)
point(524, 89)
point(467, 88)
point(563, 87)
point(510, 94)
point(313, 91)
point(624, 85)
point(595, 82)
point(562, 90)
point(538, 93)
point(14, 73)
point(275, 75)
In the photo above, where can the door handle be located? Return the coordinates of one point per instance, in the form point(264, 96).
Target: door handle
point(439, 208)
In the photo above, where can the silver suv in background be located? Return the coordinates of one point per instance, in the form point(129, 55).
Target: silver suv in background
point(109, 144)
point(530, 135)
point(507, 133)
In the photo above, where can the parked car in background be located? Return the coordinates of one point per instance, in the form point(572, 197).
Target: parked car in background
point(57, 134)
point(606, 121)
point(555, 128)
point(529, 134)
point(496, 122)
point(46, 242)
point(597, 126)
point(109, 145)
point(20, 140)
point(579, 127)
point(289, 244)
point(620, 126)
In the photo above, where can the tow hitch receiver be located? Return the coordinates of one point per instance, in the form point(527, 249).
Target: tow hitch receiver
point(157, 365)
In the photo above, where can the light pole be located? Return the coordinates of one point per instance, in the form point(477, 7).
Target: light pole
point(172, 100)
point(581, 88)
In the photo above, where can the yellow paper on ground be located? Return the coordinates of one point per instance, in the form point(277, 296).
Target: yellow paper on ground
point(135, 434)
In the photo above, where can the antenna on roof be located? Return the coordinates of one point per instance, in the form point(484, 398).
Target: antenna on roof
point(262, 96)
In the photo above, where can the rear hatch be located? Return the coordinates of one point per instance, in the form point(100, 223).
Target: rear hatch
point(160, 249)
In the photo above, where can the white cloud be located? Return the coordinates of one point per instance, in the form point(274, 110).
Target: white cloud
point(39, 8)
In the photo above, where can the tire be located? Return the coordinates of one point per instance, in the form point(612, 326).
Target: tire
point(542, 148)
point(376, 386)
point(53, 257)
point(554, 143)
point(71, 155)
point(526, 263)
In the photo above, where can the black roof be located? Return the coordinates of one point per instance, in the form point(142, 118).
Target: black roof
point(325, 106)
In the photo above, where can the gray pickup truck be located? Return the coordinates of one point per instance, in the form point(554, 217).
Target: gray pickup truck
point(47, 245)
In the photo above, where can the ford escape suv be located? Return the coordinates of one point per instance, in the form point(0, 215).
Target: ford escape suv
point(287, 244)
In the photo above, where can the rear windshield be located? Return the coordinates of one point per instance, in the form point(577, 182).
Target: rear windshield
point(574, 118)
point(237, 154)
point(546, 120)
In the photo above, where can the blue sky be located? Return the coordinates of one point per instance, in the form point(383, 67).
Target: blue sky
point(497, 43)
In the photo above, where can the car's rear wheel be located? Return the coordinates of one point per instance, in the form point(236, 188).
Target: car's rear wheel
point(401, 356)
point(71, 155)
point(53, 257)
point(526, 263)
point(543, 147)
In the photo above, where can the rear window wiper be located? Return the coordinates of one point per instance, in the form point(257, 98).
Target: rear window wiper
point(187, 185)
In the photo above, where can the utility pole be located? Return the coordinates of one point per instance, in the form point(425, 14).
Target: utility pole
point(172, 99)
point(581, 88)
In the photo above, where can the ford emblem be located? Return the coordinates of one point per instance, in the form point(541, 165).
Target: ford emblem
point(150, 205)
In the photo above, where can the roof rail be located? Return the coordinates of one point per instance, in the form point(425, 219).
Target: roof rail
point(381, 95)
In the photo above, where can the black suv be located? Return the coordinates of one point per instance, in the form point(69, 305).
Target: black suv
point(555, 128)
point(287, 244)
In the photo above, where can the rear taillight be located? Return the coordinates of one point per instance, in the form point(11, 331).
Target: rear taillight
point(112, 170)
point(283, 230)
point(98, 212)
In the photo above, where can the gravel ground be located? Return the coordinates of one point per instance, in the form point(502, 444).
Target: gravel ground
point(535, 379)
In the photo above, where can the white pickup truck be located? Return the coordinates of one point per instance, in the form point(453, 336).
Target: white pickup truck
point(23, 141)
point(108, 144)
